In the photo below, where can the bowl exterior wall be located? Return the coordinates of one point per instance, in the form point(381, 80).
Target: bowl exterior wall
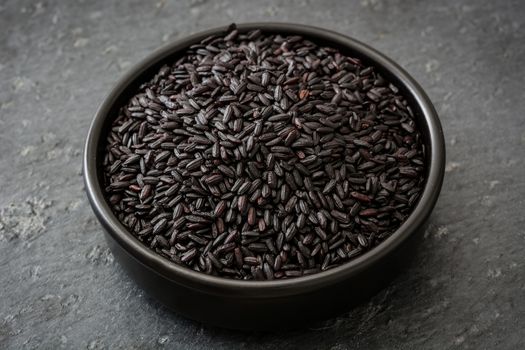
point(266, 313)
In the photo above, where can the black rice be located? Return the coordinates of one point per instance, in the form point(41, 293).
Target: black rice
point(258, 156)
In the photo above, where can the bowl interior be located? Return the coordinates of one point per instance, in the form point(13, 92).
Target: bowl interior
point(425, 116)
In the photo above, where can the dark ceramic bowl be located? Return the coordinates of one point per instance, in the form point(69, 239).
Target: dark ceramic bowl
point(264, 304)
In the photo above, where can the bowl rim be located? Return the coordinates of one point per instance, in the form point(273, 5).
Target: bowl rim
point(273, 288)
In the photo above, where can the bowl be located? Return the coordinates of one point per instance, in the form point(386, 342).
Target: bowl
point(273, 304)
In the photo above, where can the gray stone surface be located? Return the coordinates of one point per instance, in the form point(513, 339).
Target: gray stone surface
point(59, 284)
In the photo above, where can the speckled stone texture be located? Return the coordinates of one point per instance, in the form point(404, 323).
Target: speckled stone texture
point(59, 284)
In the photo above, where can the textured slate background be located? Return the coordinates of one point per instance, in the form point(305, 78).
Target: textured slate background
point(59, 285)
